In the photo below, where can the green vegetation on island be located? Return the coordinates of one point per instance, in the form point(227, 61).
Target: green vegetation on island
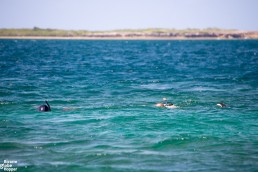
point(155, 33)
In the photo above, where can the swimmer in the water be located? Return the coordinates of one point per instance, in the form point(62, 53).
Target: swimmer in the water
point(165, 104)
point(44, 108)
point(170, 106)
point(222, 105)
point(162, 104)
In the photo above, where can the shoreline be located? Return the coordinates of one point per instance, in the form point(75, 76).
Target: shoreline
point(118, 38)
point(127, 34)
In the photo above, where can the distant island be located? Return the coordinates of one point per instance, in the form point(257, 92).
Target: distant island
point(158, 34)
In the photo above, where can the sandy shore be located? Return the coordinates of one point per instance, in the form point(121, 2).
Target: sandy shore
point(143, 34)
point(115, 38)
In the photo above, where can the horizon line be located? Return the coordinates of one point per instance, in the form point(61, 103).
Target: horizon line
point(129, 29)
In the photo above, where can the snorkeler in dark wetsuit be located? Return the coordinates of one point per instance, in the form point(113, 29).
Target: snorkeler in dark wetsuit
point(222, 105)
point(44, 108)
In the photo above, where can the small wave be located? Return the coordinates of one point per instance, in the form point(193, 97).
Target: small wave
point(6, 103)
point(66, 143)
point(178, 142)
point(204, 89)
point(12, 145)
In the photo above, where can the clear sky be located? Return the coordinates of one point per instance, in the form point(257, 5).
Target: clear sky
point(129, 14)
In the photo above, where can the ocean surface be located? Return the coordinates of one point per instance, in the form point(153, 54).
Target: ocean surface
point(102, 95)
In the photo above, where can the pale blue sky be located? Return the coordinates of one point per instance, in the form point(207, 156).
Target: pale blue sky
point(129, 14)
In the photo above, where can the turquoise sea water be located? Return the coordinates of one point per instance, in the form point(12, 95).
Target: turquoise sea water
point(103, 117)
